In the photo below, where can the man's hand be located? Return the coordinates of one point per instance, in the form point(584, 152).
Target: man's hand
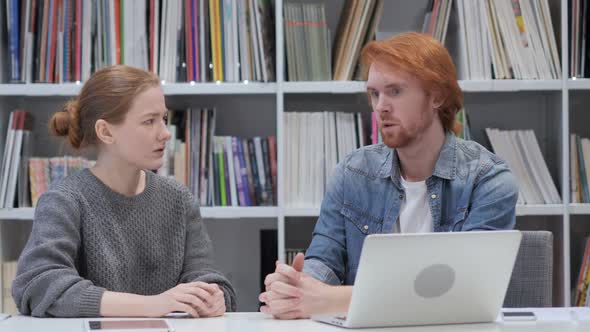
point(286, 273)
point(292, 294)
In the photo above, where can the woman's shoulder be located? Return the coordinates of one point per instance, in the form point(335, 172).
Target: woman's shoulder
point(170, 186)
point(63, 194)
point(69, 185)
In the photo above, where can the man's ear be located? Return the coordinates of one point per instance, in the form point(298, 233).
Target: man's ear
point(436, 100)
point(103, 132)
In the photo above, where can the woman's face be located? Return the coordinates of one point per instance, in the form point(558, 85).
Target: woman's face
point(141, 138)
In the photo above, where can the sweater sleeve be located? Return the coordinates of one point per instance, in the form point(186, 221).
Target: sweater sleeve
point(198, 259)
point(47, 283)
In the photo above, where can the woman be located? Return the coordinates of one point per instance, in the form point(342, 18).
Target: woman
point(117, 239)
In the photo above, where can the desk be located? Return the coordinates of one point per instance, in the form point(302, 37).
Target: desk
point(255, 322)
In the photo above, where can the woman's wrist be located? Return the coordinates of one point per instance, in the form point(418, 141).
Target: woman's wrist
point(115, 304)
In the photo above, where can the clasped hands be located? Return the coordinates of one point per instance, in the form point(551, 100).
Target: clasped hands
point(198, 299)
point(291, 293)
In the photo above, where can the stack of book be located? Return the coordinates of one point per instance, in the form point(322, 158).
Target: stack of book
point(57, 41)
point(357, 26)
point(13, 171)
point(436, 20)
point(305, 24)
point(579, 168)
point(45, 171)
point(520, 149)
point(315, 143)
point(220, 170)
point(507, 39)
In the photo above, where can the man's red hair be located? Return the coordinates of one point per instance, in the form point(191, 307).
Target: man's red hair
point(426, 59)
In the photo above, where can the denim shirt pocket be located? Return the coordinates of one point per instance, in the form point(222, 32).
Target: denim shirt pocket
point(456, 221)
point(365, 222)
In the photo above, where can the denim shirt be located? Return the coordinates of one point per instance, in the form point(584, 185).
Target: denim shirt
point(470, 189)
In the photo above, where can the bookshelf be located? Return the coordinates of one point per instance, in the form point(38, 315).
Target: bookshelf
point(206, 212)
point(253, 108)
point(578, 84)
point(510, 85)
point(170, 89)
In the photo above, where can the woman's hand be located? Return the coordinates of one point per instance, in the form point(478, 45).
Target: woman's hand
point(198, 299)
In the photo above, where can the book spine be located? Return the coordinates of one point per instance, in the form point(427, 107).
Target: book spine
point(188, 35)
point(583, 173)
point(226, 174)
point(221, 172)
point(272, 145)
point(268, 177)
point(13, 30)
point(261, 173)
point(78, 45)
point(249, 174)
point(238, 172)
point(254, 167)
point(244, 172)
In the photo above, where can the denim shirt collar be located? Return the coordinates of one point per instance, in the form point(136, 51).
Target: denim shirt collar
point(444, 168)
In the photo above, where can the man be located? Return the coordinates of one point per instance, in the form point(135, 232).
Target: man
point(422, 179)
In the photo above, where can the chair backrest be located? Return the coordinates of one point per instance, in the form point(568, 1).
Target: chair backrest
point(531, 284)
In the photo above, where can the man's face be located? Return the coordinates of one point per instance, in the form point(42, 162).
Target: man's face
point(404, 110)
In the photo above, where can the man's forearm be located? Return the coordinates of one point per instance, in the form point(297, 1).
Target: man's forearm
point(338, 299)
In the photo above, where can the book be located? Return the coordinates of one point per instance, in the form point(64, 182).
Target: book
point(8, 276)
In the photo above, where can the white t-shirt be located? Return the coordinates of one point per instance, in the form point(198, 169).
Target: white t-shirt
point(415, 216)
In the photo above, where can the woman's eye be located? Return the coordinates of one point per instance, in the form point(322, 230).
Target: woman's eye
point(149, 122)
point(166, 119)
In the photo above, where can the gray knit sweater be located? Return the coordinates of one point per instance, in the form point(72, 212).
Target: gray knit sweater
point(86, 239)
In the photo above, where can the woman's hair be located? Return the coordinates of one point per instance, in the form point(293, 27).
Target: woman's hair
point(107, 95)
point(426, 59)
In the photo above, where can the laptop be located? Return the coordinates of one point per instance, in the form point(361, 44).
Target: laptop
point(430, 278)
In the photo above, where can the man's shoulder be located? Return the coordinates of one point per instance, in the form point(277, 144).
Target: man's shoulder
point(472, 150)
point(476, 157)
point(369, 160)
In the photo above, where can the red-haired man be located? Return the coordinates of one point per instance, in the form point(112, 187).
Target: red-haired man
point(422, 179)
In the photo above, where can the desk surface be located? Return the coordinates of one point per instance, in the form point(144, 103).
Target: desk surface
point(260, 322)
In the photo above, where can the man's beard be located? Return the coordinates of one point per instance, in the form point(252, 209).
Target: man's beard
point(402, 136)
point(398, 139)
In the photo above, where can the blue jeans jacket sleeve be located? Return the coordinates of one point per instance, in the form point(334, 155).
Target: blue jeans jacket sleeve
point(493, 199)
point(326, 256)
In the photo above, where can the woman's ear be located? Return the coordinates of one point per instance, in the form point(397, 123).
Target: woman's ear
point(103, 132)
